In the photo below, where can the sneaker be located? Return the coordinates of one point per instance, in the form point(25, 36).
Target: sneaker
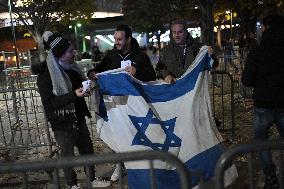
point(271, 182)
point(100, 183)
point(115, 175)
point(76, 186)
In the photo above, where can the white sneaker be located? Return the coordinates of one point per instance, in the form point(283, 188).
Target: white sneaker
point(115, 175)
point(100, 183)
point(75, 187)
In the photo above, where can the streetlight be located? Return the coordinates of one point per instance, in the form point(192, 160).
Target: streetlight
point(231, 24)
point(76, 26)
point(13, 33)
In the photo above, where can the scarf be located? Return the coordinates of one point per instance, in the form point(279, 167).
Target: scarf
point(60, 81)
point(61, 84)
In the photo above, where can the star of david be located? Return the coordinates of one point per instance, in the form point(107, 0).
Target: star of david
point(142, 123)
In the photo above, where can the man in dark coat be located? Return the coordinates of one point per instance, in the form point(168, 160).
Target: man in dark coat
point(176, 58)
point(60, 87)
point(264, 71)
point(128, 55)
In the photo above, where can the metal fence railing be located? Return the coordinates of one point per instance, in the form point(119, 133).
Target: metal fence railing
point(250, 151)
point(234, 63)
point(23, 127)
point(222, 100)
point(55, 165)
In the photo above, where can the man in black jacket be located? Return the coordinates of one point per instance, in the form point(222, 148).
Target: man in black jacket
point(264, 71)
point(60, 87)
point(128, 55)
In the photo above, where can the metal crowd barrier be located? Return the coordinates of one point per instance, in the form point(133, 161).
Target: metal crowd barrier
point(23, 127)
point(249, 150)
point(222, 92)
point(80, 161)
point(87, 64)
point(234, 63)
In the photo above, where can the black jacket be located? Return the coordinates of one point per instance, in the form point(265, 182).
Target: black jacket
point(142, 63)
point(264, 70)
point(54, 103)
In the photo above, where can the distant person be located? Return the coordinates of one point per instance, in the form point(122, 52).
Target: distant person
point(242, 42)
point(60, 87)
point(96, 54)
point(85, 55)
point(264, 71)
point(251, 41)
point(153, 55)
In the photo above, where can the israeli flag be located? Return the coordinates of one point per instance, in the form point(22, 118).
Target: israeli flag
point(175, 118)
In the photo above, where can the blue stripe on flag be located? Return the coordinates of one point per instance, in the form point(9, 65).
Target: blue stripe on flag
point(118, 85)
point(203, 164)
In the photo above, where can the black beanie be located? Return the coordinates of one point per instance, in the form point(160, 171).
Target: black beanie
point(57, 44)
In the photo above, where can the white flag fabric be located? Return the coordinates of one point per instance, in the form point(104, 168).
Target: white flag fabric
point(175, 118)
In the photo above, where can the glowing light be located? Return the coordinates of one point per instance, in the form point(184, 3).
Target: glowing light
point(105, 14)
point(104, 40)
point(138, 38)
point(194, 32)
point(111, 37)
point(27, 35)
point(166, 34)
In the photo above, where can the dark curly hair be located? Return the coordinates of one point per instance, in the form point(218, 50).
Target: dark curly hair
point(125, 28)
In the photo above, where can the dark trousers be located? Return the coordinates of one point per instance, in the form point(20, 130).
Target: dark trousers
point(263, 120)
point(80, 138)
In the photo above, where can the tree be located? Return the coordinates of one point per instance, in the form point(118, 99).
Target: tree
point(39, 15)
point(248, 11)
point(153, 15)
point(207, 23)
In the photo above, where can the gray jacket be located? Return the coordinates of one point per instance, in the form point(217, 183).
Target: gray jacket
point(172, 60)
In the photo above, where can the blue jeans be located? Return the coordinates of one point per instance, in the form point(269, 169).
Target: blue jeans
point(263, 120)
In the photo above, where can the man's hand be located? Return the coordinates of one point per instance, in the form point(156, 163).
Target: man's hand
point(169, 79)
point(79, 92)
point(92, 75)
point(131, 70)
